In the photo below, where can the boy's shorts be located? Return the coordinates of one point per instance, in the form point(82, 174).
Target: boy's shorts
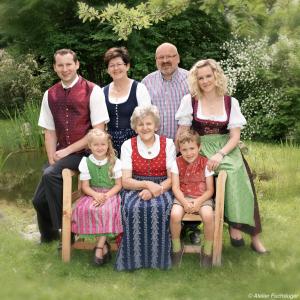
point(208, 202)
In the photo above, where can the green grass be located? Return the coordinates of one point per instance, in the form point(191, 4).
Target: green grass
point(21, 131)
point(31, 271)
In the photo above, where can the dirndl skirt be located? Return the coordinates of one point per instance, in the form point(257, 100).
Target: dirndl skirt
point(88, 219)
point(239, 196)
point(146, 239)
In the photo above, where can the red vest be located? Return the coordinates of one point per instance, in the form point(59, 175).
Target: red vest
point(71, 111)
point(192, 176)
point(149, 167)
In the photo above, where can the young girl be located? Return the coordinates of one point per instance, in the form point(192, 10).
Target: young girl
point(97, 213)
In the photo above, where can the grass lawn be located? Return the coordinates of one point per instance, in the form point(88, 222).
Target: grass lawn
point(31, 271)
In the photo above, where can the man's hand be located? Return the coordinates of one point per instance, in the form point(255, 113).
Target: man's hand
point(61, 154)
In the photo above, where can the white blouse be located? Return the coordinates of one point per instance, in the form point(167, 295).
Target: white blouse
point(142, 95)
point(184, 114)
point(148, 153)
point(84, 170)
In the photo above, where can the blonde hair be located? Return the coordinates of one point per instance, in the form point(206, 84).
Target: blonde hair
point(140, 112)
point(221, 80)
point(187, 136)
point(97, 133)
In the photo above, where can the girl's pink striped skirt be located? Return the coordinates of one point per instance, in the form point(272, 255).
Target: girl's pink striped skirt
point(104, 219)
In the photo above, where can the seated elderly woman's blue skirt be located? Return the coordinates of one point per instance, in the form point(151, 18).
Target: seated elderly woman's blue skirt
point(146, 238)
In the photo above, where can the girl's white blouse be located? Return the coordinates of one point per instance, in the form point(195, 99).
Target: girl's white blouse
point(148, 153)
point(185, 112)
point(84, 170)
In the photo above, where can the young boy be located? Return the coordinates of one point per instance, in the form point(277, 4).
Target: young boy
point(193, 187)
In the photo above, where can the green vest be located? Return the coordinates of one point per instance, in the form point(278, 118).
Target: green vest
point(100, 175)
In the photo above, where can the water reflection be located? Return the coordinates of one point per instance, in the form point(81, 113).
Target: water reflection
point(20, 175)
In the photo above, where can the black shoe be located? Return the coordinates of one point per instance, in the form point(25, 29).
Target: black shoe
point(107, 255)
point(49, 237)
point(98, 261)
point(176, 257)
point(237, 242)
point(195, 236)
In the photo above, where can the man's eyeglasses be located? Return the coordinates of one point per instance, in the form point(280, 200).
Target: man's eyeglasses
point(116, 65)
point(166, 57)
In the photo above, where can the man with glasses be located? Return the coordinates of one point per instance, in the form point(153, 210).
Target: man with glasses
point(166, 87)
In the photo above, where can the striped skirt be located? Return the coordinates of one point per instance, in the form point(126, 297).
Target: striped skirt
point(146, 239)
point(88, 219)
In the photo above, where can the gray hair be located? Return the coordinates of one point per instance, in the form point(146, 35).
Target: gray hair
point(141, 112)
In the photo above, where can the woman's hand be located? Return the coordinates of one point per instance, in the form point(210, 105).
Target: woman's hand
point(145, 194)
point(214, 162)
point(154, 188)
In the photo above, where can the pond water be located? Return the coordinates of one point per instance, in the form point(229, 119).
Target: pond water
point(20, 175)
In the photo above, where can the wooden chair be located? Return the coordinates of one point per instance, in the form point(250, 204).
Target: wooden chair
point(219, 219)
point(69, 198)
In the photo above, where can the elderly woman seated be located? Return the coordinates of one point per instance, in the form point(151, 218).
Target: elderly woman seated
point(147, 198)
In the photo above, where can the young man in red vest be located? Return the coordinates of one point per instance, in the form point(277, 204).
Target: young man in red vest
point(69, 109)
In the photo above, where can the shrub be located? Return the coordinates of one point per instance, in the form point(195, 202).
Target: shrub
point(21, 80)
point(265, 104)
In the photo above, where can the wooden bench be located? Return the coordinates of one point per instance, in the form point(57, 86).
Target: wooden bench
point(219, 219)
point(70, 197)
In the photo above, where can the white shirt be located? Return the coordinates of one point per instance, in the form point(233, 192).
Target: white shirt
point(148, 153)
point(174, 169)
point(84, 170)
point(98, 110)
point(184, 114)
point(142, 95)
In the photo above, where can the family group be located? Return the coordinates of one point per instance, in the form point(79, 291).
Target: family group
point(147, 152)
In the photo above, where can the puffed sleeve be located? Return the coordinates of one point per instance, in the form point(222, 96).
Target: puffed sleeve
point(185, 111)
point(98, 109)
point(84, 170)
point(171, 153)
point(174, 168)
point(236, 119)
point(126, 152)
point(117, 169)
point(142, 95)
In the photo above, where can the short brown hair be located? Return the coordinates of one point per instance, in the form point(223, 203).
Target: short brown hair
point(187, 136)
point(116, 52)
point(65, 52)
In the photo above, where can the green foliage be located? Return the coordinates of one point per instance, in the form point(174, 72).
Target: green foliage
point(124, 19)
point(23, 132)
point(21, 80)
point(202, 42)
point(267, 105)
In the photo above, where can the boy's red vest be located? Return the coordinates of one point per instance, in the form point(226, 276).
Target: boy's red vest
point(192, 176)
point(71, 111)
